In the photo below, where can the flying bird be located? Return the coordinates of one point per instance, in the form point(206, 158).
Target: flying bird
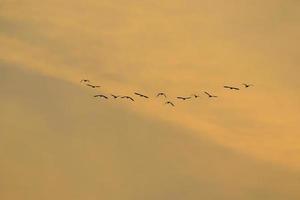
point(141, 95)
point(127, 97)
point(85, 81)
point(184, 98)
point(114, 96)
point(161, 94)
point(101, 96)
point(195, 95)
point(170, 103)
point(247, 85)
point(231, 88)
point(210, 96)
point(93, 86)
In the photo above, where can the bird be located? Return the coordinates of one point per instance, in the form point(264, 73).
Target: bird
point(195, 95)
point(93, 86)
point(161, 94)
point(141, 95)
point(210, 96)
point(84, 80)
point(247, 85)
point(170, 103)
point(101, 96)
point(114, 96)
point(127, 97)
point(231, 88)
point(184, 98)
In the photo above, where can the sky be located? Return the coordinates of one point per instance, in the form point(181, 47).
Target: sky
point(58, 142)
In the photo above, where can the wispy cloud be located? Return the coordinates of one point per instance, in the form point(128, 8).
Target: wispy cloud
point(181, 48)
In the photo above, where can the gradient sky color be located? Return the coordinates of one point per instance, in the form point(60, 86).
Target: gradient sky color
point(58, 142)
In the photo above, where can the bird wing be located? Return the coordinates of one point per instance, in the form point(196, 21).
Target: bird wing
point(141, 95)
point(169, 102)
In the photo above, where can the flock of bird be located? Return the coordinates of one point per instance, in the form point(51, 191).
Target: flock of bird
point(161, 94)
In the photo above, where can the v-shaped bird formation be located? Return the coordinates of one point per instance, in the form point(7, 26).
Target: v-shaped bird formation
point(161, 95)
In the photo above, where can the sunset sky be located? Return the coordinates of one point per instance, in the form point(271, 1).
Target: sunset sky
point(58, 142)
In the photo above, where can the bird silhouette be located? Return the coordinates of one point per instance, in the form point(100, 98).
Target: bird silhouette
point(195, 95)
point(127, 97)
point(85, 81)
point(114, 96)
point(93, 86)
point(210, 96)
point(247, 85)
point(170, 103)
point(101, 96)
point(231, 88)
point(141, 95)
point(184, 98)
point(161, 94)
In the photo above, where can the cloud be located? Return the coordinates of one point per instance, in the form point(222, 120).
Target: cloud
point(178, 47)
point(57, 142)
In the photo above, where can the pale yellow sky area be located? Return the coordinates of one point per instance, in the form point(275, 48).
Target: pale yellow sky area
point(56, 137)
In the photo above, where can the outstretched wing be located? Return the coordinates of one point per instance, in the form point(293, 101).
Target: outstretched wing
point(161, 94)
point(169, 102)
point(207, 94)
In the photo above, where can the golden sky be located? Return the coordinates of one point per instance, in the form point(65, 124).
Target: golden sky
point(58, 142)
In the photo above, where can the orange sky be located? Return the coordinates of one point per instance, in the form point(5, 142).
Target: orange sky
point(180, 47)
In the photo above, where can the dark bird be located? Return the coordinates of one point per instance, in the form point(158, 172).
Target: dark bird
point(170, 103)
point(127, 97)
point(161, 94)
point(210, 96)
point(141, 95)
point(115, 96)
point(195, 95)
point(231, 88)
point(184, 98)
point(247, 85)
point(93, 86)
point(101, 96)
point(85, 81)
